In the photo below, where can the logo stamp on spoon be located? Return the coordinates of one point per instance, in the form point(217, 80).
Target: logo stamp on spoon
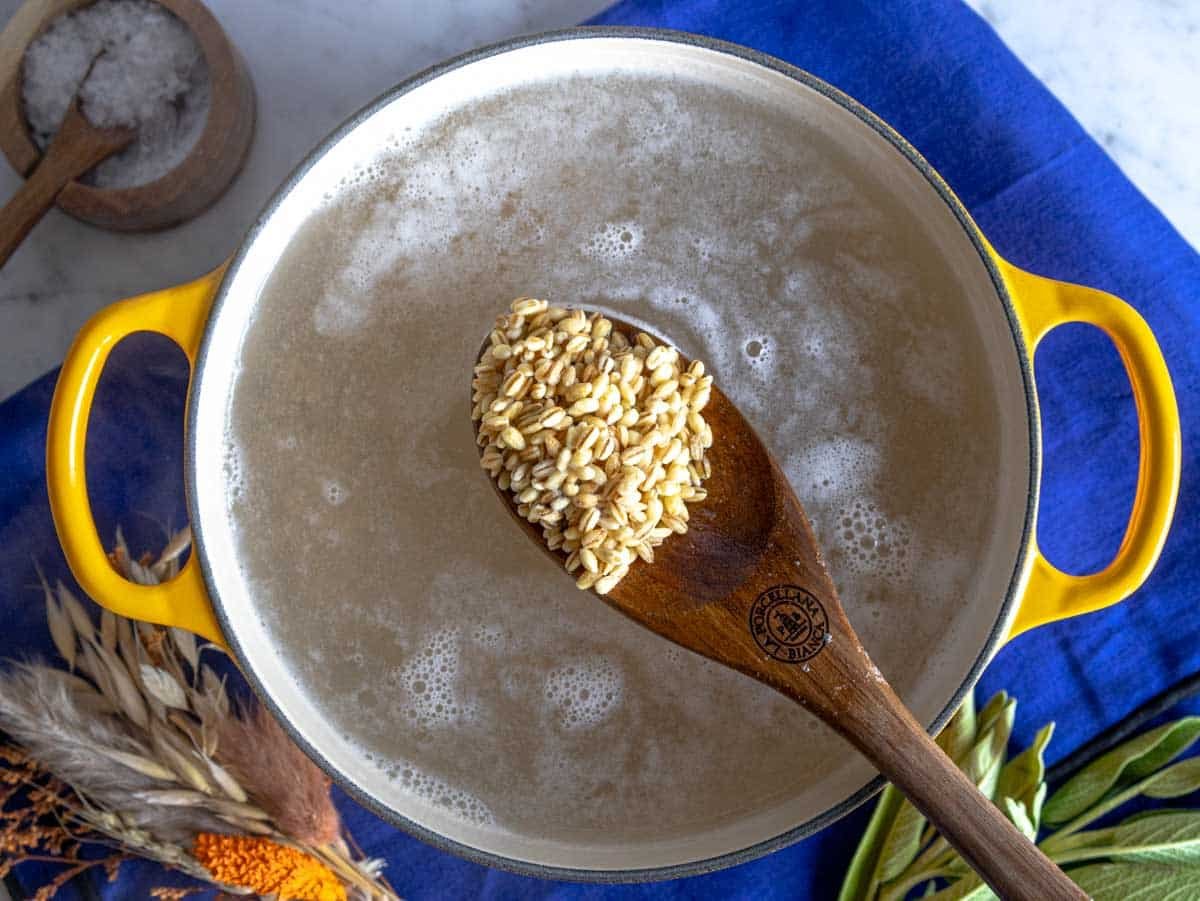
point(789, 623)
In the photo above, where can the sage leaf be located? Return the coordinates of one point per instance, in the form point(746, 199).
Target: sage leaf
point(970, 888)
point(1035, 808)
point(902, 844)
point(1143, 814)
point(957, 865)
point(984, 761)
point(1023, 774)
point(991, 711)
point(959, 735)
point(1068, 846)
point(1124, 765)
point(1017, 812)
point(1022, 781)
point(1136, 881)
point(860, 881)
point(1174, 742)
point(1171, 837)
point(1175, 781)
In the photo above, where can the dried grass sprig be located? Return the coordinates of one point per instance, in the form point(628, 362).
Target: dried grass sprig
point(50, 714)
point(135, 746)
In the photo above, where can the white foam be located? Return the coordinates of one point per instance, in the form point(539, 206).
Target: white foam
point(440, 793)
point(431, 789)
point(584, 693)
point(832, 472)
point(235, 476)
point(333, 492)
point(340, 312)
point(490, 636)
point(615, 242)
point(871, 543)
point(429, 681)
point(758, 349)
point(347, 305)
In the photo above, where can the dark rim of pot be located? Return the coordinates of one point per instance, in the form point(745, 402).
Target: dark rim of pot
point(995, 635)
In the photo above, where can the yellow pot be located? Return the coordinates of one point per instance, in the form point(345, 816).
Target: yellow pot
point(1041, 304)
point(205, 318)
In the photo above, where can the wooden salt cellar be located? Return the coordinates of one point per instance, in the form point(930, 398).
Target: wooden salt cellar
point(187, 189)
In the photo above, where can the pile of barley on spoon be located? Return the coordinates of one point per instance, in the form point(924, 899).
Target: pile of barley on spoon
point(600, 438)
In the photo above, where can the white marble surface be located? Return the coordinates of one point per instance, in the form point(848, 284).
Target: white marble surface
point(1130, 74)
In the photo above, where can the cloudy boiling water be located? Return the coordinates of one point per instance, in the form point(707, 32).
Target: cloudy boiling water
point(421, 621)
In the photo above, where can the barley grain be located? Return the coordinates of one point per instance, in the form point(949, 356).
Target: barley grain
point(599, 437)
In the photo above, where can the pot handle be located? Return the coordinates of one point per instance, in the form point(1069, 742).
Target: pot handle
point(1041, 305)
point(180, 313)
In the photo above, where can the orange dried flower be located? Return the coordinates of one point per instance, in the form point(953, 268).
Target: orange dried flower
point(266, 867)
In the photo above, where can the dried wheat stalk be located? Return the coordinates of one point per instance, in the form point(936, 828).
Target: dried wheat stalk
point(141, 730)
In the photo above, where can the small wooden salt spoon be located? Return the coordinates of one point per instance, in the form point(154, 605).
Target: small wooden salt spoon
point(746, 586)
point(77, 146)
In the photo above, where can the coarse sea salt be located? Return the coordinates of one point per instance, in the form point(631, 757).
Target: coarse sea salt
point(147, 71)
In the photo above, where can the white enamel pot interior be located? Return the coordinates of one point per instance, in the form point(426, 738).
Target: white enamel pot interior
point(564, 65)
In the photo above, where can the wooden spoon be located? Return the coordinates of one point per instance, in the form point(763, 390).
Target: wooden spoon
point(76, 147)
point(746, 587)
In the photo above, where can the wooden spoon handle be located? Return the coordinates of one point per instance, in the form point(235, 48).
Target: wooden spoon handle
point(894, 741)
point(807, 650)
point(786, 627)
point(841, 685)
point(26, 208)
point(75, 149)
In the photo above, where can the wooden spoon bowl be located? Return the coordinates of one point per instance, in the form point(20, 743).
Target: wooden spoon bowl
point(746, 586)
point(186, 190)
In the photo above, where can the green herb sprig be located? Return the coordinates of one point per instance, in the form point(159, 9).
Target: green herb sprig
point(1154, 854)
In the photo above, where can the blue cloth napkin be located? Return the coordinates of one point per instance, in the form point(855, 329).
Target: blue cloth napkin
point(1048, 198)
